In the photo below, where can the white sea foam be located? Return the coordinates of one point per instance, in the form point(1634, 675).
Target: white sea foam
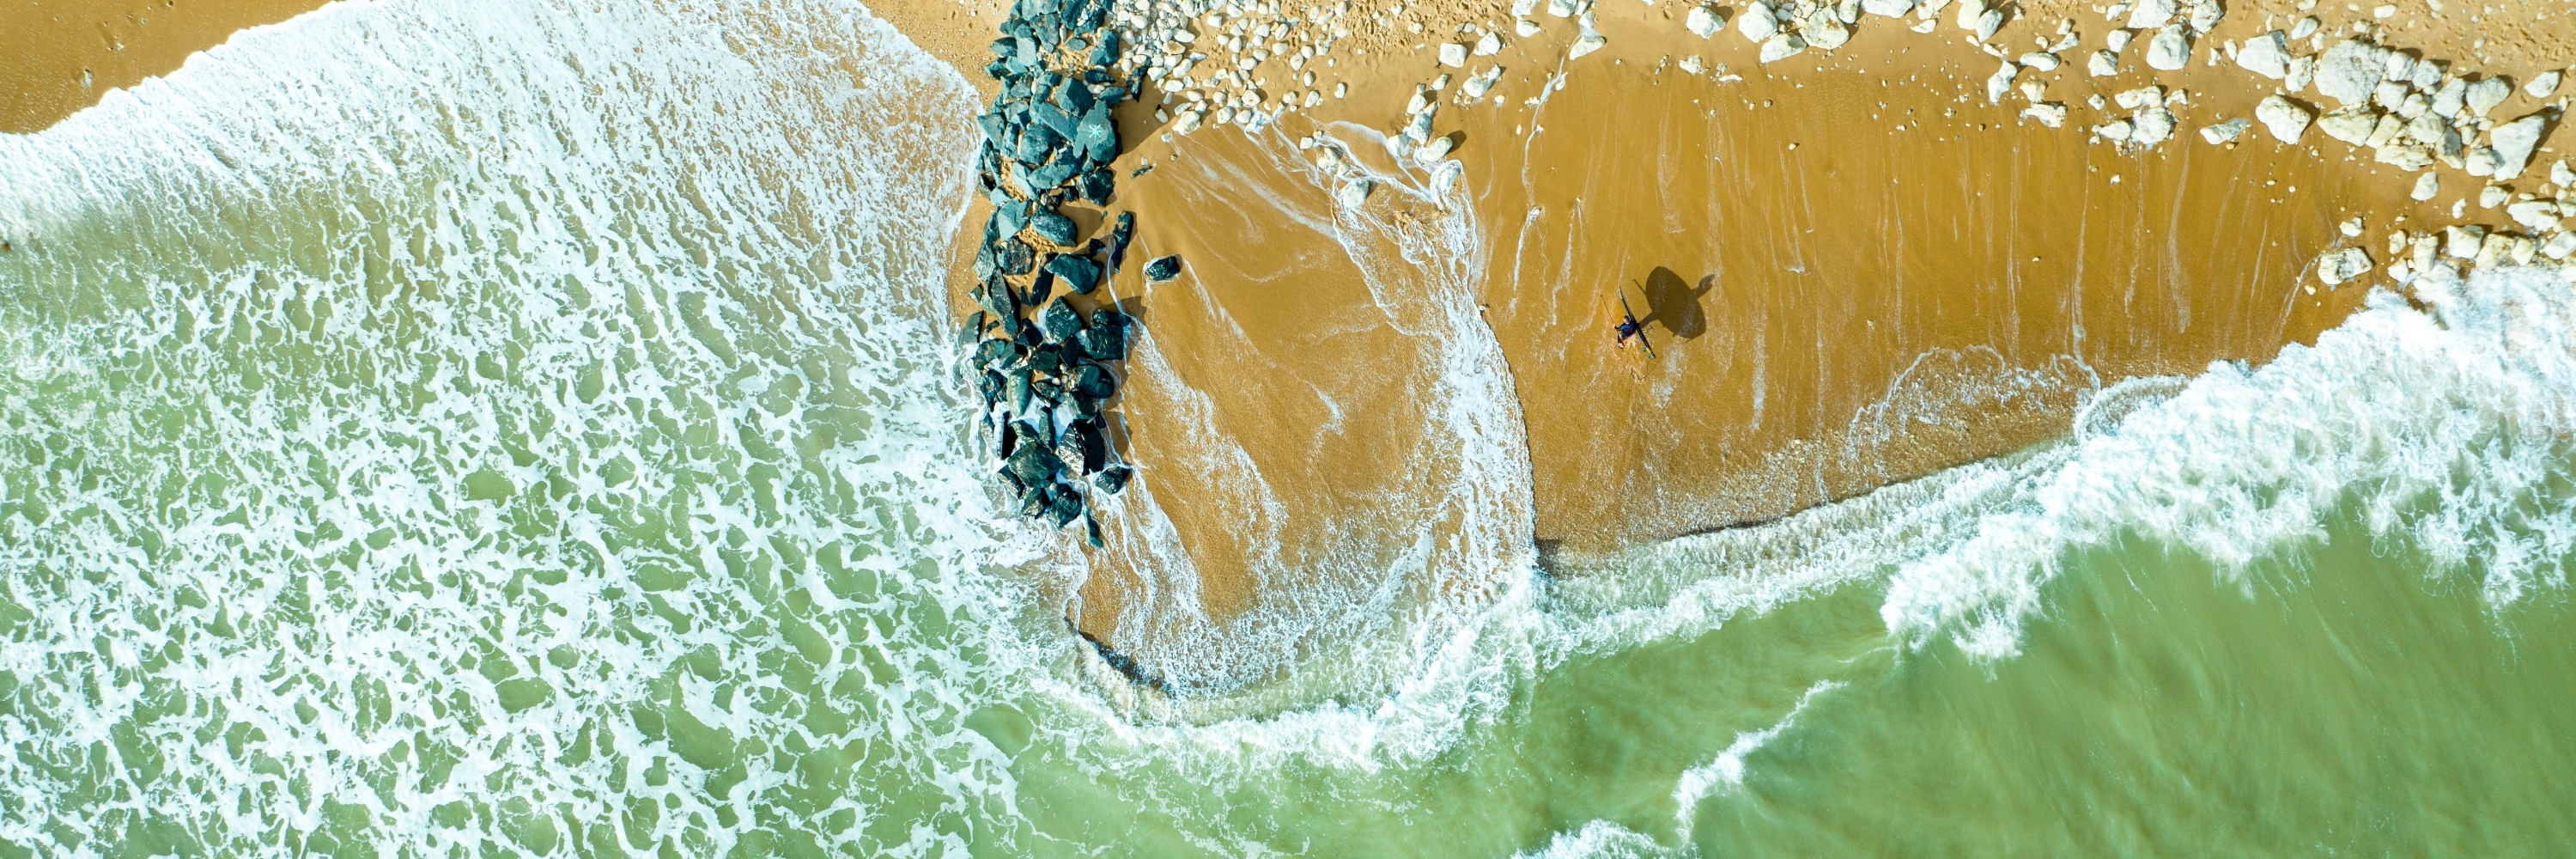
point(2447, 426)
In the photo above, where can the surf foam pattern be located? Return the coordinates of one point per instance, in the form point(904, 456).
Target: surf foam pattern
point(494, 428)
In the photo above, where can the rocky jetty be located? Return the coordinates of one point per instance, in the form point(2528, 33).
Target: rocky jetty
point(1044, 370)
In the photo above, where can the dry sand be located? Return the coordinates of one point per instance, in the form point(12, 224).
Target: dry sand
point(1854, 268)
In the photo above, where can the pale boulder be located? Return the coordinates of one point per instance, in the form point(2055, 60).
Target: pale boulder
point(2513, 142)
point(2283, 118)
point(2170, 50)
point(2267, 55)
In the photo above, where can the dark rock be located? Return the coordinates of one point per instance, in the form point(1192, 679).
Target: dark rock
point(1083, 448)
point(1094, 384)
point(1096, 185)
point(1047, 358)
point(1106, 53)
point(1079, 273)
point(1033, 464)
point(1017, 390)
point(1163, 269)
point(1119, 236)
point(1025, 50)
point(1013, 257)
point(992, 125)
point(1006, 441)
point(1054, 174)
point(1066, 507)
point(1060, 321)
point(1060, 230)
point(1039, 289)
point(1052, 118)
point(1096, 135)
point(1004, 47)
point(1039, 143)
point(1113, 479)
point(1091, 529)
point(995, 353)
point(989, 386)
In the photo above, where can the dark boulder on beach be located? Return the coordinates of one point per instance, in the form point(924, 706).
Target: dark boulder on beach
point(1061, 322)
point(1093, 383)
point(1113, 480)
point(1079, 273)
point(1060, 230)
point(1164, 268)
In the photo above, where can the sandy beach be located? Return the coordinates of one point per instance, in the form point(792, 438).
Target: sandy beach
point(1855, 267)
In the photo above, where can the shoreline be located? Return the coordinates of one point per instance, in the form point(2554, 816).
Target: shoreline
point(1861, 266)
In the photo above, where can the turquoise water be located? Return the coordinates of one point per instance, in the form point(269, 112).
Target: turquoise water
point(434, 429)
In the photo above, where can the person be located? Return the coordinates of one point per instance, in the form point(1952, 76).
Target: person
point(1627, 328)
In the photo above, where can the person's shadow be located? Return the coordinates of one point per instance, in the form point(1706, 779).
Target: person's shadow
point(1675, 304)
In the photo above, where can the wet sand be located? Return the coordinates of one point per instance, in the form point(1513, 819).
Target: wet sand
point(1855, 270)
point(64, 55)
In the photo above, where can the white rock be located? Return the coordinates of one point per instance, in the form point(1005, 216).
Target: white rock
point(2285, 120)
point(2349, 71)
point(1969, 12)
point(2205, 15)
point(1781, 47)
point(2000, 82)
point(2400, 67)
point(1988, 23)
point(2305, 28)
point(2451, 98)
point(2154, 125)
point(2350, 228)
point(2406, 156)
point(2438, 136)
point(2140, 97)
point(2045, 62)
point(2302, 70)
point(2267, 55)
point(2150, 14)
point(2337, 266)
point(1522, 8)
point(1561, 8)
point(2481, 161)
point(1489, 45)
point(2562, 176)
point(2493, 249)
point(2385, 131)
point(2484, 95)
point(2426, 186)
point(1525, 27)
point(1355, 193)
point(2524, 247)
point(1704, 21)
point(2461, 241)
point(2559, 246)
point(2225, 131)
point(1433, 151)
point(1757, 23)
point(2034, 91)
point(2352, 124)
point(1477, 85)
point(1453, 55)
point(1420, 102)
point(1889, 8)
point(2513, 142)
point(1189, 122)
point(2118, 40)
point(2543, 86)
point(2103, 64)
point(2428, 75)
point(2117, 130)
point(2539, 216)
point(1585, 44)
point(2170, 50)
point(2389, 94)
point(1825, 33)
point(1691, 65)
point(2048, 113)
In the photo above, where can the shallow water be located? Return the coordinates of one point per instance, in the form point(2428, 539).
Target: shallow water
point(436, 429)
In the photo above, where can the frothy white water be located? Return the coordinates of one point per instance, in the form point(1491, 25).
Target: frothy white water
point(2449, 427)
point(493, 428)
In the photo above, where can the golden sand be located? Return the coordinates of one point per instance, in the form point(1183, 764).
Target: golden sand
point(63, 55)
point(1853, 268)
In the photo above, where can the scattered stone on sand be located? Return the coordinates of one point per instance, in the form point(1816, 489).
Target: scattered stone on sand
point(2513, 142)
point(2150, 14)
point(1585, 44)
point(2225, 131)
point(1453, 55)
point(2000, 83)
point(2562, 176)
point(1825, 33)
point(2170, 50)
point(1781, 47)
point(2302, 70)
point(2283, 118)
point(1988, 23)
point(2350, 124)
point(1488, 45)
point(1354, 193)
point(2343, 264)
point(2492, 196)
point(1526, 28)
point(2350, 227)
point(2483, 96)
point(1482, 82)
point(2461, 241)
point(2103, 64)
point(2267, 55)
point(2040, 60)
point(1163, 268)
point(2152, 126)
point(2543, 86)
point(2349, 72)
point(2141, 97)
point(1757, 23)
point(2048, 113)
point(1704, 21)
point(2305, 28)
point(1889, 8)
point(2559, 246)
point(2539, 216)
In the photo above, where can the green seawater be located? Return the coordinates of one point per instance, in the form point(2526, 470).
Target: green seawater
point(459, 429)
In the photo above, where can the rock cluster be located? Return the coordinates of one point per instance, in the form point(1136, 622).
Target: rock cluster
point(1042, 369)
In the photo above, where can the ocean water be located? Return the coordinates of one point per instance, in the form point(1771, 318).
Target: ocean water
point(444, 428)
